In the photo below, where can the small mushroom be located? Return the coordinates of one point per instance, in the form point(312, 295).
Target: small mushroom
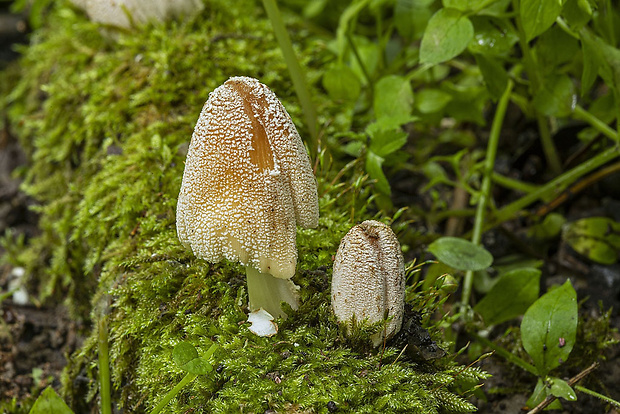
point(127, 13)
point(247, 184)
point(368, 282)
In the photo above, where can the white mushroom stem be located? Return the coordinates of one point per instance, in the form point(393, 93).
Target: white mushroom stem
point(268, 292)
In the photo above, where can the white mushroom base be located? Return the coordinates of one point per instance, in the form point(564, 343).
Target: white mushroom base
point(268, 292)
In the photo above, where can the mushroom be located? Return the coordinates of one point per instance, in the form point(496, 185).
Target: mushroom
point(247, 184)
point(368, 282)
point(127, 13)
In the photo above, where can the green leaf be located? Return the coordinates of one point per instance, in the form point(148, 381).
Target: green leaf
point(446, 36)
point(556, 97)
point(411, 17)
point(429, 101)
point(492, 36)
point(186, 357)
point(385, 141)
point(513, 293)
point(342, 84)
point(555, 48)
point(465, 5)
point(50, 403)
point(494, 75)
point(538, 15)
point(461, 254)
point(561, 389)
point(393, 97)
point(539, 394)
point(597, 238)
point(549, 228)
point(374, 169)
point(577, 13)
point(592, 60)
point(549, 328)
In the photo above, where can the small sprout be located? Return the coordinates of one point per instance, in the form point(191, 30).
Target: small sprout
point(50, 402)
point(247, 184)
point(186, 357)
point(368, 281)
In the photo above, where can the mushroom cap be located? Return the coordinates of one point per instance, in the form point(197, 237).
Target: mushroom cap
point(115, 12)
point(247, 181)
point(368, 280)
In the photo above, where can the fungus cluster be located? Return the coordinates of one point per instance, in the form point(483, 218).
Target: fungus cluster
point(247, 184)
point(368, 282)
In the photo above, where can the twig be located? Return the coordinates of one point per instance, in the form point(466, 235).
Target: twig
point(571, 382)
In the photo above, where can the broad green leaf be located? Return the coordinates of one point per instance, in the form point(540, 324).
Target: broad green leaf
point(468, 102)
point(549, 328)
point(494, 75)
point(393, 97)
point(342, 84)
point(411, 17)
point(592, 60)
point(597, 238)
point(374, 169)
point(492, 36)
point(561, 389)
point(513, 293)
point(466, 5)
point(461, 254)
point(386, 141)
point(556, 97)
point(186, 357)
point(538, 395)
point(429, 101)
point(577, 13)
point(549, 228)
point(553, 49)
point(50, 403)
point(446, 36)
point(538, 15)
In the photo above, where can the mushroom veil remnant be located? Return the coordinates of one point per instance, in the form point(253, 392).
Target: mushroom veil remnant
point(368, 282)
point(247, 184)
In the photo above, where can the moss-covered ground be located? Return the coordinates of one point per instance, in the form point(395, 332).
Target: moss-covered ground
point(106, 121)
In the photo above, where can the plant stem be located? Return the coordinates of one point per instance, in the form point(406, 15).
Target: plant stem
point(297, 76)
point(485, 191)
point(268, 292)
point(553, 188)
point(509, 356)
point(186, 380)
point(513, 184)
point(546, 140)
point(597, 395)
point(104, 366)
point(596, 123)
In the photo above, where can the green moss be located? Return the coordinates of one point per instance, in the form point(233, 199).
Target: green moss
point(106, 124)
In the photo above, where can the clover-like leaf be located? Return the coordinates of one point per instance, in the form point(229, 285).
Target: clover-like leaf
point(186, 357)
point(50, 403)
point(461, 254)
point(448, 33)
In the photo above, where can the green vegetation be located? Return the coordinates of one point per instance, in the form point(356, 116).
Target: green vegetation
point(415, 103)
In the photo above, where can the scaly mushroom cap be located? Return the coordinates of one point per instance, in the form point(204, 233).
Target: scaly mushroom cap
point(368, 281)
point(247, 181)
point(118, 12)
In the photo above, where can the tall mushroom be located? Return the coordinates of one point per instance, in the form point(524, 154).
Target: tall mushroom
point(368, 282)
point(247, 184)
